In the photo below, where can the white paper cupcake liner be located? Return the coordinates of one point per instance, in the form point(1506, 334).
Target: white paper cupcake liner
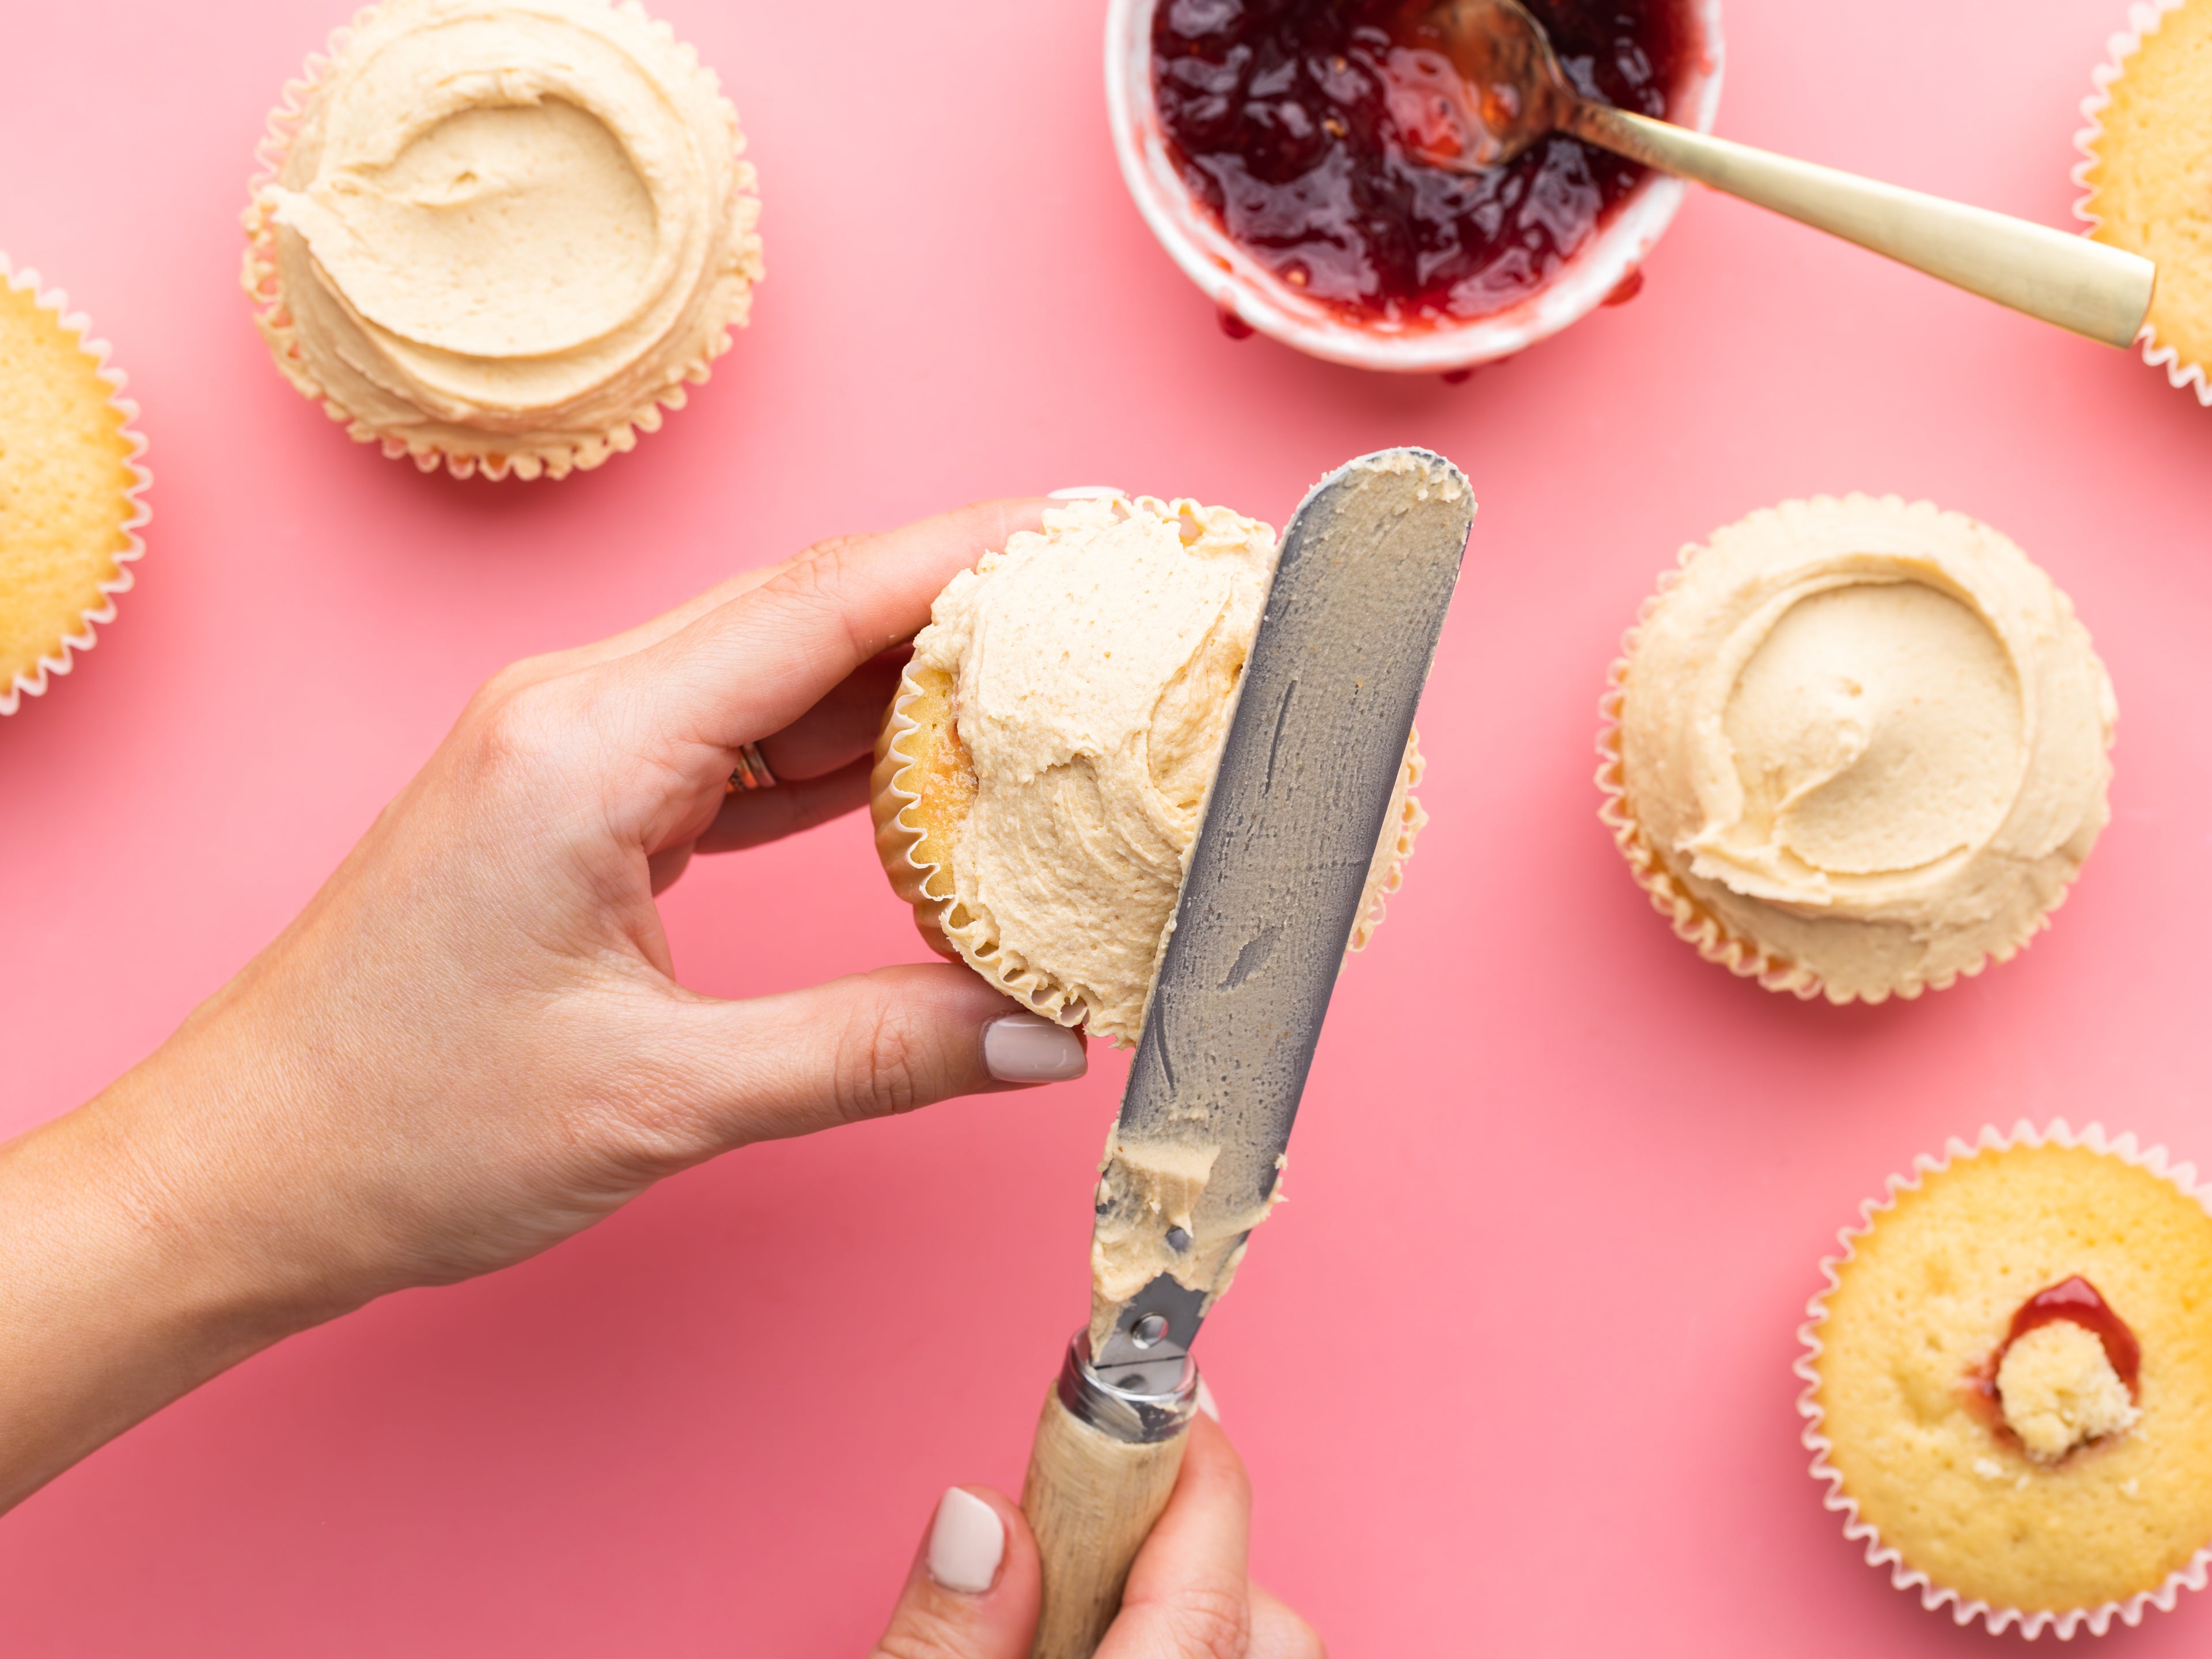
point(2143, 18)
point(899, 839)
point(57, 661)
point(264, 290)
point(2097, 1619)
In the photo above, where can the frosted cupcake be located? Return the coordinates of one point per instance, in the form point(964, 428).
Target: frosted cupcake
point(502, 234)
point(70, 483)
point(2146, 150)
point(1858, 748)
point(1041, 775)
point(2010, 1381)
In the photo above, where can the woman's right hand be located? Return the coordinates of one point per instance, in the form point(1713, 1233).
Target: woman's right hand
point(972, 1592)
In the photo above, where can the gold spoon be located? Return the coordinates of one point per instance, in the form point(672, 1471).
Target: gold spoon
point(1497, 86)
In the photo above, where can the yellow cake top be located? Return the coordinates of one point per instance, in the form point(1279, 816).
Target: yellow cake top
point(67, 481)
point(2066, 1490)
point(2150, 173)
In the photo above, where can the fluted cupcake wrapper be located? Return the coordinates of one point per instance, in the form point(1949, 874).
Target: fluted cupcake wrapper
point(501, 456)
point(926, 885)
point(2143, 19)
point(58, 660)
point(1694, 922)
point(2065, 1625)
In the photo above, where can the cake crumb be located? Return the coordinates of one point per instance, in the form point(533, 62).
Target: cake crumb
point(2060, 1392)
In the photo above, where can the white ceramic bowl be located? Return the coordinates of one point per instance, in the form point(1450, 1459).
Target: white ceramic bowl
point(1245, 288)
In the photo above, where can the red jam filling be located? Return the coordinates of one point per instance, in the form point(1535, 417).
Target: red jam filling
point(1279, 115)
point(2075, 1299)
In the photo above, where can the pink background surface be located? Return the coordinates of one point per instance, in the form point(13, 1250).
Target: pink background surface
point(1512, 1371)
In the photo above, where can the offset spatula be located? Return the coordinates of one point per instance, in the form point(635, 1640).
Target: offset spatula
point(1268, 901)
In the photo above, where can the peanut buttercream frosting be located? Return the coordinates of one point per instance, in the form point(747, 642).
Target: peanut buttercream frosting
point(504, 232)
point(1861, 747)
point(1045, 766)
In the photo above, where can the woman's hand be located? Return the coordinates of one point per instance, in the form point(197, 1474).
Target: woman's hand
point(972, 1592)
point(473, 1043)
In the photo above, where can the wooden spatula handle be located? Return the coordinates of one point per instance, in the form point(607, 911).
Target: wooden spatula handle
point(1091, 1500)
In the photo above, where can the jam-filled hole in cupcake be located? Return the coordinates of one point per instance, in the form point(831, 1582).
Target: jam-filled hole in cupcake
point(2068, 1375)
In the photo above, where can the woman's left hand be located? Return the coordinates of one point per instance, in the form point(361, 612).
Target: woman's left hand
point(473, 1042)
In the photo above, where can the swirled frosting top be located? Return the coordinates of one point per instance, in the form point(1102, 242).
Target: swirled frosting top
point(1872, 736)
point(524, 217)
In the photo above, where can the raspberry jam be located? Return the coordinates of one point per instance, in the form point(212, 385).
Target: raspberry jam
point(1278, 114)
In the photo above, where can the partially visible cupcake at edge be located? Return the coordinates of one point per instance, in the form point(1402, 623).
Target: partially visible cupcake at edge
point(1857, 748)
point(502, 238)
point(1041, 774)
point(2147, 152)
point(2010, 1381)
point(69, 486)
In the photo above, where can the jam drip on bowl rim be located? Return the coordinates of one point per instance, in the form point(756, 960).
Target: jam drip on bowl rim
point(1291, 120)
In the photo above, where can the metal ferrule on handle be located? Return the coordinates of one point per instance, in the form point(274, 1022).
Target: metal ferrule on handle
point(1124, 1414)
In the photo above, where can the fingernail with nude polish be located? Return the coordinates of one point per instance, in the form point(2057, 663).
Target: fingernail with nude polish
point(1206, 1401)
point(1084, 493)
point(1028, 1049)
point(966, 1543)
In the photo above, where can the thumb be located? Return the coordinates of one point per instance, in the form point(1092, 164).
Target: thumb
point(973, 1590)
point(866, 1046)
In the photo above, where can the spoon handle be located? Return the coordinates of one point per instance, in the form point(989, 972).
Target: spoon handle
point(2094, 289)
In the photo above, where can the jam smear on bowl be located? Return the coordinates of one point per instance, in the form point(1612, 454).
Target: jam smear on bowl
point(1280, 115)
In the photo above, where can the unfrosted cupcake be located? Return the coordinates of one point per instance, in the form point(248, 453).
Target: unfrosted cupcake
point(502, 236)
point(2010, 1381)
point(1856, 747)
point(2147, 152)
point(1042, 772)
point(70, 484)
